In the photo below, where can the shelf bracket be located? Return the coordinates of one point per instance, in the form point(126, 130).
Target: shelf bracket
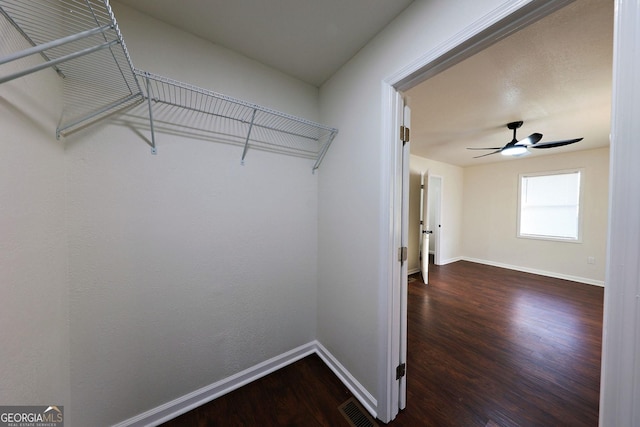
point(323, 152)
point(154, 150)
point(246, 142)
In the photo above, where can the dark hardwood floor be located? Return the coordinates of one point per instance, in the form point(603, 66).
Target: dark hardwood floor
point(485, 345)
point(305, 393)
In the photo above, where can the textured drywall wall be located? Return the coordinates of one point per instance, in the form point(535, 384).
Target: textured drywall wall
point(491, 209)
point(353, 209)
point(185, 267)
point(34, 331)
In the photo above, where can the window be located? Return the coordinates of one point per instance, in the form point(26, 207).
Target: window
point(549, 206)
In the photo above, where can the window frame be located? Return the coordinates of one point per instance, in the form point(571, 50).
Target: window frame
point(520, 235)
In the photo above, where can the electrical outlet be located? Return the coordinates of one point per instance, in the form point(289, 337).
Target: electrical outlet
point(591, 260)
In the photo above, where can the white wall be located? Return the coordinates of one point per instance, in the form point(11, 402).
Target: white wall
point(354, 197)
point(452, 201)
point(185, 267)
point(34, 335)
point(480, 213)
point(490, 206)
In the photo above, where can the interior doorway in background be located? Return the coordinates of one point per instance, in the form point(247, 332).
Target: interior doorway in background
point(435, 215)
point(430, 222)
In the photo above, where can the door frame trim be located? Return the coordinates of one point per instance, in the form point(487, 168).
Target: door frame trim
point(502, 21)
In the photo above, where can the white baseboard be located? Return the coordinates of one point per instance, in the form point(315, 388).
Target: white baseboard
point(186, 403)
point(539, 272)
point(442, 262)
point(361, 393)
point(450, 260)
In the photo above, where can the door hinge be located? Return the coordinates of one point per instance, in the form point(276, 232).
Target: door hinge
point(404, 134)
point(401, 370)
point(402, 254)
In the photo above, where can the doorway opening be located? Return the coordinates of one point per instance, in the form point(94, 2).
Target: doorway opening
point(429, 227)
point(496, 27)
point(434, 199)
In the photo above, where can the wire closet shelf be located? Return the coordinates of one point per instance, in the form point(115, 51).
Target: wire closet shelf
point(81, 41)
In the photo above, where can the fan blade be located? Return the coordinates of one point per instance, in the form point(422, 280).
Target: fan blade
point(553, 144)
point(484, 148)
point(530, 140)
point(488, 154)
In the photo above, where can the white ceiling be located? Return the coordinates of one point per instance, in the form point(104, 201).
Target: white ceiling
point(306, 39)
point(555, 75)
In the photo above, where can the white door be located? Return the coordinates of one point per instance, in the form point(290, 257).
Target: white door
point(396, 380)
point(425, 232)
point(402, 393)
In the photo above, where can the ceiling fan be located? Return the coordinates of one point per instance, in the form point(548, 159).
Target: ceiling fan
point(517, 148)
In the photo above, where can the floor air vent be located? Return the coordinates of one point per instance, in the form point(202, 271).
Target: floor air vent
point(356, 414)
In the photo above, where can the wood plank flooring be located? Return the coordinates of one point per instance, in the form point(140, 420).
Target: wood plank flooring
point(518, 349)
point(486, 346)
point(305, 393)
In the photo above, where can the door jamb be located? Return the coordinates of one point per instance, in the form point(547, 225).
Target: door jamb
point(502, 21)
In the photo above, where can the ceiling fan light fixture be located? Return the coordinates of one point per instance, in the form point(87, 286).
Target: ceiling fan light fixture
point(526, 141)
point(514, 150)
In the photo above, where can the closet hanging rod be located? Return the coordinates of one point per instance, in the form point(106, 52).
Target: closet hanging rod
point(114, 105)
point(57, 61)
point(54, 43)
